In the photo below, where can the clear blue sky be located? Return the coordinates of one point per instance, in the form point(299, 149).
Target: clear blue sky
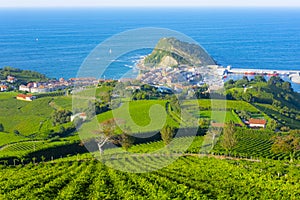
point(157, 3)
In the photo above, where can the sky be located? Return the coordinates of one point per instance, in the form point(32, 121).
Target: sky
point(152, 3)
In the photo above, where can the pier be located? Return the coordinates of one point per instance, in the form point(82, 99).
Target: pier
point(294, 75)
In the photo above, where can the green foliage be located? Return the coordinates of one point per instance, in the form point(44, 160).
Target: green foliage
point(167, 134)
point(287, 144)
point(212, 179)
point(229, 140)
point(61, 117)
point(126, 141)
point(254, 143)
point(182, 52)
point(282, 117)
point(137, 116)
point(27, 117)
point(272, 124)
point(23, 76)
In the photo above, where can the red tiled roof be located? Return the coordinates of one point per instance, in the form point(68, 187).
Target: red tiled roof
point(257, 121)
point(82, 115)
point(24, 95)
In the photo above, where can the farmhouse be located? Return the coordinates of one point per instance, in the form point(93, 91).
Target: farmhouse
point(25, 97)
point(257, 123)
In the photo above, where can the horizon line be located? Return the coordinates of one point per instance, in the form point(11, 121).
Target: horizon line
point(153, 6)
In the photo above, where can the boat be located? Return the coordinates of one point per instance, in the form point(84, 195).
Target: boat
point(273, 74)
point(250, 73)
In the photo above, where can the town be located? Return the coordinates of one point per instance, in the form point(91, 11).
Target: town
point(51, 85)
point(183, 77)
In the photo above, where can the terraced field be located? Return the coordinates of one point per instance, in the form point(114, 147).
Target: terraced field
point(20, 149)
point(255, 144)
point(26, 117)
point(186, 178)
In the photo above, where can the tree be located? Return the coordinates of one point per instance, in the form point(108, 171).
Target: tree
point(286, 86)
point(259, 78)
point(167, 134)
point(105, 134)
point(287, 144)
point(247, 97)
point(1, 128)
point(229, 139)
point(62, 130)
point(16, 132)
point(272, 124)
point(61, 117)
point(126, 141)
point(275, 80)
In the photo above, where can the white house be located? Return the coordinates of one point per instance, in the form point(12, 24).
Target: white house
point(257, 123)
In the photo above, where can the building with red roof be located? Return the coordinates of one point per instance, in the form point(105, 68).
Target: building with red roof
point(257, 123)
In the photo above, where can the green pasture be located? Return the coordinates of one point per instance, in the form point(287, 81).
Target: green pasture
point(216, 104)
point(7, 95)
point(26, 117)
point(64, 102)
point(220, 116)
point(139, 116)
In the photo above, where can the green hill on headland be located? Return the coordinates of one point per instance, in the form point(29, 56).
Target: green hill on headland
point(173, 52)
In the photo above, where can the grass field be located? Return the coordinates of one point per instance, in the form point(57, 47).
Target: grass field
point(30, 117)
point(64, 102)
point(26, 117)
point(7, 95)
point(139, 116)
point(219, 104)
point(220, 116)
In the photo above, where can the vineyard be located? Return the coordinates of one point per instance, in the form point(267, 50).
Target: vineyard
point(186, 178)
point(255, 144)
point(21, 149)
point(26, 117)
point(282, 119)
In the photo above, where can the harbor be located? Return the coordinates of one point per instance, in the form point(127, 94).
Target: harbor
point(292, 75)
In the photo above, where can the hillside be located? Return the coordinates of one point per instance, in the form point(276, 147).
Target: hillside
point(275, 97)
point(173, 52)
point(22, 76)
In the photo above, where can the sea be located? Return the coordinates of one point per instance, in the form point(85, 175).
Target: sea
point(56, 41)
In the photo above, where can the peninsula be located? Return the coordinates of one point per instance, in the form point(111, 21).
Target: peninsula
point(179, 64)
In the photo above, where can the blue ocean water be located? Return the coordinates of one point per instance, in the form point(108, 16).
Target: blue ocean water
point(56, 41)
